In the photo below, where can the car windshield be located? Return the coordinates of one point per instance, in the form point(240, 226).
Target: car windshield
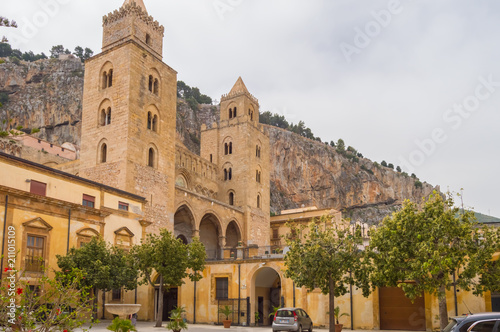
point(284, 313)
point(450, 326)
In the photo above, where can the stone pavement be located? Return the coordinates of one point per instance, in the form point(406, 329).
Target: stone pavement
point(149, 327)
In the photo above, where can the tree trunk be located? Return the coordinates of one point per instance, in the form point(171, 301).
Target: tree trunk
point(443, 308)
point(159, 313)
point(95, 303)
point(332, 305)
point(103, 306)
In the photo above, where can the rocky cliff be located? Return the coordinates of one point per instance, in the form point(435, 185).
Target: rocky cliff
point(47, 94)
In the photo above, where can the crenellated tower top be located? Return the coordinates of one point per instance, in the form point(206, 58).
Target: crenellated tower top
point(239, 89)
point(132, 23)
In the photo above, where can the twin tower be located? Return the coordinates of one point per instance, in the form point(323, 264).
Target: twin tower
point(129, 125)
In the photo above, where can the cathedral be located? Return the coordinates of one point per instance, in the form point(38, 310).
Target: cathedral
point(133, 177)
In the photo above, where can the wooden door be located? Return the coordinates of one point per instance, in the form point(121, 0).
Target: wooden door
point(397, 312)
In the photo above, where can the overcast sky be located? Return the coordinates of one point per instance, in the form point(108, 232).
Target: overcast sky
point(415, 83)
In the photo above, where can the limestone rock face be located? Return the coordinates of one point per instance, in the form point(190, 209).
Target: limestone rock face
point(47, 94)
point(309, 173)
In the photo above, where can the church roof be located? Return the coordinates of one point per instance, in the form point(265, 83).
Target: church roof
point(239, 87)
point(139, 3)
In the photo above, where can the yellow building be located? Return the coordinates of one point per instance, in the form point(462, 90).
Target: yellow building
point(133, 177)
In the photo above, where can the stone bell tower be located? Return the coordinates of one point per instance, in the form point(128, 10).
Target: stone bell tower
point(129, 112)
point(240, 147)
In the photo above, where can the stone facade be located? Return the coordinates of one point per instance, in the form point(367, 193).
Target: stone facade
point(129, 111)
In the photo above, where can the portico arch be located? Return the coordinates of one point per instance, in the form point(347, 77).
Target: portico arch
point(184, 223)
point(233, 234)
point(266, 292)
point(210, 231)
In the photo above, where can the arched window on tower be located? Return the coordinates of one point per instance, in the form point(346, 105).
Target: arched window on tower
point(103, 117)
point(150, 120)
point(257, 176)
point(104, 80)
point(150, 86)
point(104, 153)
point(110, 78)
point(155, 86)
point(155, 123)
point(230, 147)
point(230, 174)
point(230, 113)
point(108, 116)
point(231, 198)
point(225, 174)
point(148, 39)
point(226, 149)
point(258, 201)
point(151, 157)
point(250, 114)
point(234, 113)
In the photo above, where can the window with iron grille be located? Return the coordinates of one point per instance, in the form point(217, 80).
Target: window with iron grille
point(221, 288)
point(116, 295)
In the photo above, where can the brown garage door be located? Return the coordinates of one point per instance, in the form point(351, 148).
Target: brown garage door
point(398, 313)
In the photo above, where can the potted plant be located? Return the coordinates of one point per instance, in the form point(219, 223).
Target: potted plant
point(337, 314)
point(177, 323)
point(273, 314)
point(121, 325)
point(226, 311)
point(257, 318)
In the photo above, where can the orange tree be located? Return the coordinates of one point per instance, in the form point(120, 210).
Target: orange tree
point(170, 260)
point(328, 258)
point(427, 245)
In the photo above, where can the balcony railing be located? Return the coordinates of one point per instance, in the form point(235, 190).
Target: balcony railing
point(264, 252)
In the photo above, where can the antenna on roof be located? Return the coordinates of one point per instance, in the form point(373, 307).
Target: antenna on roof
point(470, 313)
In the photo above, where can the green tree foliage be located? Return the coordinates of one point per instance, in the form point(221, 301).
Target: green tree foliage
point(383, 163)
point(7, 51)
point(340, 145)
point(391, 166)
point(105, 268)
point(5, 22)
point(45, 308)
point(171, 260)
point(398, 169)
point(332, 144)
point(275, 120)
point(327, 258)
point(83, 54)
point(192, 95)
point(427, 245)
point(57, 50)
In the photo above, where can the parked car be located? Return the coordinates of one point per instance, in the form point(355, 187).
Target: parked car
point(292, 319)
point(480, 322)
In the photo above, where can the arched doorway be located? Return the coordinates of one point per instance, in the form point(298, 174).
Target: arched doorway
point(267, 293)
point(210, 232)
point(183, 224)
point(170, 300)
